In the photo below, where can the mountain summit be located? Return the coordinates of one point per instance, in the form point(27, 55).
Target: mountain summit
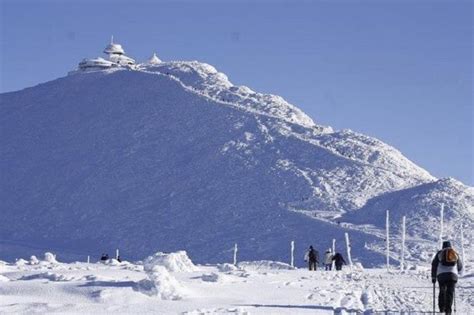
point(171, 155)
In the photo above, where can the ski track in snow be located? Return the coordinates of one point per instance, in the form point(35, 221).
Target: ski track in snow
point(250, 288)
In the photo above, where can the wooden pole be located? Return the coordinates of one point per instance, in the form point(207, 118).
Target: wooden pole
point(348, 249)
point(235, 253)
point(333, 252)
point(441, 226)
point(464, 258)
point(402, 260)
point(387, 236)
point(292, 248)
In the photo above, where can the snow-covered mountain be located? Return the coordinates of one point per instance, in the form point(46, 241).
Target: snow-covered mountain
point(172, 155)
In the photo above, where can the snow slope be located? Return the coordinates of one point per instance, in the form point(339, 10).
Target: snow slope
point(173, 156)
point(422, 206)
point(97, 288)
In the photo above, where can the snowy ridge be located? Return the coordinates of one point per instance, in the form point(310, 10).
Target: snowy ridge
point(421, 205)
point(172, 156)
point(206, 80)
point(372, 151)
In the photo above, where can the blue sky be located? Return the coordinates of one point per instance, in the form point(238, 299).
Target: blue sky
point(398, 70)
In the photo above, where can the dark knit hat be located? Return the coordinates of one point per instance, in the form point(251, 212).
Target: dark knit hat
point(446, 244)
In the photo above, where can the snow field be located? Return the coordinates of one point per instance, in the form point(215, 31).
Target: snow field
point(251, 288)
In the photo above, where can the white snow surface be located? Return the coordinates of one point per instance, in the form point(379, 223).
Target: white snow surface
point(50, 258)
point(161, 283)
point(264, 265)
point(81, 288)
point(174, 156)
point(174, 262)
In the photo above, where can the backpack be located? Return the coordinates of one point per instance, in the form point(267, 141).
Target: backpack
point(449, 257)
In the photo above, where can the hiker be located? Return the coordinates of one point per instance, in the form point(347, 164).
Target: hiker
point(312, 257)
point(104, 257)
point(338, 261)
point(445, 267)
point(328, 260)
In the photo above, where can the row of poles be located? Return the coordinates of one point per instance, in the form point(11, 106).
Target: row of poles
point(292, 251)
point(440, 239)
point(348, 244)
point(387, 240)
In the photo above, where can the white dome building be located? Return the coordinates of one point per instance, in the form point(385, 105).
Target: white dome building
point(154, 60)
point(113, 48)
point(116, 58)
point(117, 54)
point(98, 63)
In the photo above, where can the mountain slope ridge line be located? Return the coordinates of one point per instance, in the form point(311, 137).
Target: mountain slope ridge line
point(145, 161)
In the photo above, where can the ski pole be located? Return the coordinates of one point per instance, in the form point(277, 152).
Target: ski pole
point(454, 298)
point(434, 297)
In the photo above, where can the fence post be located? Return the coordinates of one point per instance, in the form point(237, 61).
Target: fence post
point(464, 258)
point(292, 245)
point(235, 253)
point(402, 260)
point(333, 252)
point(348, 249)
point(387, 237)
point(441, 226)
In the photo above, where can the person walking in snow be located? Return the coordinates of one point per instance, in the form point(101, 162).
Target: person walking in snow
point(338, 261)
point(312, 257)
point(104, 257)
point(445, 267)
point(328, 259)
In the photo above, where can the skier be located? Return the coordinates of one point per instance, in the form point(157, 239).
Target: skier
point(338, 261)
point(445, 267)
point(328, 259)
point(312, 257)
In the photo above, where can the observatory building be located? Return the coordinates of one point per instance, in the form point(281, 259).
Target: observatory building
point(116, 58)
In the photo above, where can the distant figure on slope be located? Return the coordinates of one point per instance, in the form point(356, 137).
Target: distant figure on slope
point(119, 259)
point(338, 261)
point(328, 259)
point(312, 257)
point(445, 267)
point(104, 257)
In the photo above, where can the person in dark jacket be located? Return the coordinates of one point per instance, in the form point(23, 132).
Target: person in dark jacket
point(445, 267)
point(312, 257)
point(338, 261)
point(104, 257)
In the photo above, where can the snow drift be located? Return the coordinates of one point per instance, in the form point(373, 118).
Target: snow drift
point(161, 284)
point(174, 262)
